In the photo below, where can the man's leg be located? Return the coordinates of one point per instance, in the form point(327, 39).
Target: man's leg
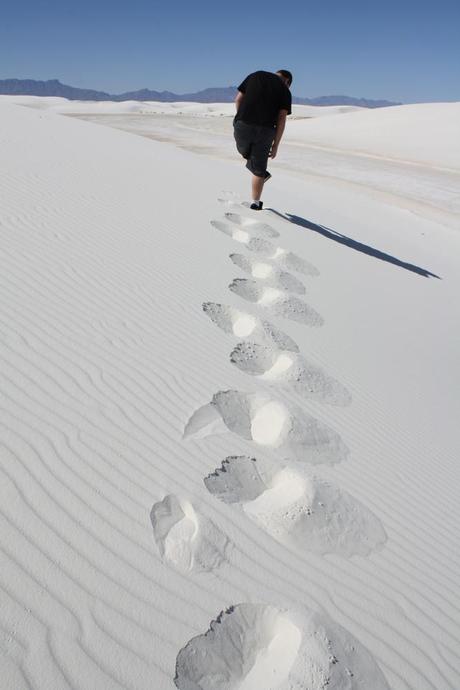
point(257, 163)
point(243, 139)
point(254, 144)
point(257, 187)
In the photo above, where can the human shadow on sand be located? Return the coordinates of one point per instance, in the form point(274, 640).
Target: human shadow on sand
point(353, 244)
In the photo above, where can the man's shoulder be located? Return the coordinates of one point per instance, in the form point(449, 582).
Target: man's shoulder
point(262, 74)
point(271, 76)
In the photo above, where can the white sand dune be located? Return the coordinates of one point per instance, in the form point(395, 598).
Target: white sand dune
point(133, 557)
point(406, 154)
point(63, 105)
point(409, 153)
point(426, 133)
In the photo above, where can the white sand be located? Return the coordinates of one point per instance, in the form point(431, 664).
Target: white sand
point(426, 133)
point(63, 105)
point(332, 534)
point(409, 153)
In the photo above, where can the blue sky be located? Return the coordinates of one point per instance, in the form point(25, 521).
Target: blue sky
point(406, 51)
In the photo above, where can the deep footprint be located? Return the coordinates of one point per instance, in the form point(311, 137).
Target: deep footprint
point(270, 423)
point(269, 272)
point(276, 302)
point(186, 540)
point(308, 513)
point(254, 226)
point(259, 647)
point(229, 198)
point(263, 247)
point(292, 262)
point(244, 325)
point(291, 370)
point(255, 244)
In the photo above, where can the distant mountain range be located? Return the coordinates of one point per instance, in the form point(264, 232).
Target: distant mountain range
point(226, 94)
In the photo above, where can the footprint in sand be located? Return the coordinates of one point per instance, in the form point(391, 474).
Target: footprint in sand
point(270, 423)
point(185, 539)
point(243, 233)
point(229, 197)
point(259, 647)
point(262, 246)
point(308, 513)
point(276, 301)
point(244, 325)
point(269, 272)
point(292, 262)
point(290, 370)
point(255, 227)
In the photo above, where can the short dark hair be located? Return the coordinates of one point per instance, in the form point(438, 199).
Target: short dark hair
point(286, 74)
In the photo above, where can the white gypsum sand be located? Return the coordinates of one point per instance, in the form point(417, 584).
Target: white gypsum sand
point(408, 152)
point(117, 557)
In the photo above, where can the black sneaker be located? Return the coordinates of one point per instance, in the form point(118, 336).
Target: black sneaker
point(256, 206)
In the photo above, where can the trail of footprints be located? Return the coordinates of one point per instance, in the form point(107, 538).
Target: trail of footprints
point(256, 646)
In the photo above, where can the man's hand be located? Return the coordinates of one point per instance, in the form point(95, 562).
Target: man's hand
point(274, 150)
point(238, 100)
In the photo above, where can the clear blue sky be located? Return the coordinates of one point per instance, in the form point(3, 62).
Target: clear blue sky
point(406, 51)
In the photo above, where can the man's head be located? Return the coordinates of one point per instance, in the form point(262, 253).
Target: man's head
point(285, 75)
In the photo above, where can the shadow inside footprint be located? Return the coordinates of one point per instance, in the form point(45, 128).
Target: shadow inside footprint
point(186, 540)
point(244, 325)
point(269, 272)
point(259, 245)
point(229, 199)
point(270, 423)
point(252, 241)
point(276, 301)
point(260, 647)
point(254, 226)
point(292, 262)
point(291, 370)
point(305, 512)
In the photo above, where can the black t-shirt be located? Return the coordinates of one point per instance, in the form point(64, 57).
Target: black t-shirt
point(265, 94)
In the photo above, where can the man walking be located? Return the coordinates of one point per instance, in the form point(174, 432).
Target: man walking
point(262, 104)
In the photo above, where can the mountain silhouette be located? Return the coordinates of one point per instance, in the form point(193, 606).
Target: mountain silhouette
point(226, 94)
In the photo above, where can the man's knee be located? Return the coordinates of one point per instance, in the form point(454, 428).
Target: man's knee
point(244, 150)
point(257, 167)
point(243, 143)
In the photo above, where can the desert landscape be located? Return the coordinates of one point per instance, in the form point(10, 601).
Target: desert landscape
point(229, 439)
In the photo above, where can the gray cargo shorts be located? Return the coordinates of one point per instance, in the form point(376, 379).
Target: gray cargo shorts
point(254, 143)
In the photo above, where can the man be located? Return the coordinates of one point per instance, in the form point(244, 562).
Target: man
point(262, 104)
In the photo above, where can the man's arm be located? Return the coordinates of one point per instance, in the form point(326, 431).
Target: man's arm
point(238, 100)
point(280, 125)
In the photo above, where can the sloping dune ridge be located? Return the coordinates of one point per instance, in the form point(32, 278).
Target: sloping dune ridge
point(423, 133)
point(229, 445)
